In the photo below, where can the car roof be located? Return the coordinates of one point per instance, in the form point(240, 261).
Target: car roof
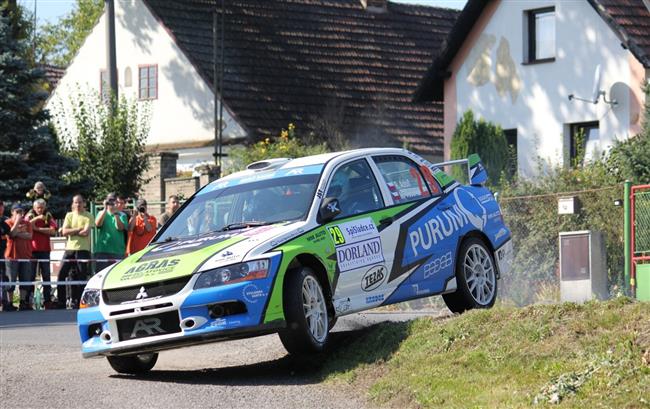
point(321, 159)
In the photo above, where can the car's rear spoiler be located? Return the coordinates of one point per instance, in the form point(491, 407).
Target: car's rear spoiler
point(476, 173)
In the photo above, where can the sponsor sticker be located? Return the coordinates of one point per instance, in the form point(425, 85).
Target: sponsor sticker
point(252, 293)
point(317, 237)
point(502, 232)
point(359, 254)
point(150, 268)
point(441, 225)
point(375, 298)
point(342, 305)
point(373, 278)
point(436, 265)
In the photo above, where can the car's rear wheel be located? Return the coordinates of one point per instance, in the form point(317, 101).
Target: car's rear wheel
point(133, 364)
point(305, 309)
point(475, 277)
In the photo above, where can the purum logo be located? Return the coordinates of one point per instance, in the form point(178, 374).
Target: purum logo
point(373, 278)
point(444, 224)
point(142, 294)
point(150, 326)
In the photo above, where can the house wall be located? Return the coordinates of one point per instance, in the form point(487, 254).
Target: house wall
point(182, 116)
point(490, 78)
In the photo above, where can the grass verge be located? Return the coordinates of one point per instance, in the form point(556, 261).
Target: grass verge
point(567, 355)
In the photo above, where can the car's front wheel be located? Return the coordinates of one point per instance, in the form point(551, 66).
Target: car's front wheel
point(305, 309)
point(475, 277)
point(133, 364)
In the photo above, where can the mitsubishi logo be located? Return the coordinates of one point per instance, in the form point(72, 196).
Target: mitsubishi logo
point(142, 294)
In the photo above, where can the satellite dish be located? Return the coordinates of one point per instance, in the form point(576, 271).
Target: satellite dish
point(595, 93)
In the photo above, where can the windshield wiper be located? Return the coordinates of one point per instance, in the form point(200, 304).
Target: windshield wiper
point(169, 238)
point(244, 225)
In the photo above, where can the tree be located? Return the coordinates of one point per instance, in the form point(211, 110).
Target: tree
point(59, 42)
point(484, 138)
point(28, 150)
point(630, 159)
point(109, 144)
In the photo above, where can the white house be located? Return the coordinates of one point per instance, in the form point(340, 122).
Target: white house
point(545, 70)
point(151, 66)
point(345, 67)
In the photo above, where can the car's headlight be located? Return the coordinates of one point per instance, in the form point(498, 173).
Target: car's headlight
point(90, 298)
point(233, 274)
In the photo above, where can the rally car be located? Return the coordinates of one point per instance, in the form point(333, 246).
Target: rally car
point(289, 245)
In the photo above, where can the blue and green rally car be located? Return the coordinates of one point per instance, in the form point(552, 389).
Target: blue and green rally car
point(289, 245)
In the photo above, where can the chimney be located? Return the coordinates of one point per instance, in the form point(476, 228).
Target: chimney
point(375, 6)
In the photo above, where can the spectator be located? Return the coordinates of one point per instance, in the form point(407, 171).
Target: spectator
point(76, 227)
point(172, 205)
point(19, 247)
point(111, 224)
point(120, 204)
point(4, 230)
point(39, 192)
point(142, 228)
point(43, 227)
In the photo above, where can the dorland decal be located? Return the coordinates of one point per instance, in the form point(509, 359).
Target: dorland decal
point(444, 224)
point(360, 254)
point(150, 268)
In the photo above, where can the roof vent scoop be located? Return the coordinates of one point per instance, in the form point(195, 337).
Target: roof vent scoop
point(268, 164)
point(375, 6)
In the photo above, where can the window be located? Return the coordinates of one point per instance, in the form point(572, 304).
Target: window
point(511, 139)
point(403, 178)
point(541, 35)
point(583, 145)
point(148, 82)
point(355, 188)
point(128, 81)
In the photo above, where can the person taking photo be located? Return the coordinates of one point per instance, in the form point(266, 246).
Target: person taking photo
point(142, 228)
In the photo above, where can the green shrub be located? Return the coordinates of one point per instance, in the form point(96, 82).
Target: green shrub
point(287, 145)
point(484, 138)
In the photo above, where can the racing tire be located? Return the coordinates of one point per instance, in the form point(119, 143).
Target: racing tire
point(305, 309)
point(133, 364)
point(475, 276)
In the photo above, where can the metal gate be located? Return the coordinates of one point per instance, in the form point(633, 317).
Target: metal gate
point(637, 226)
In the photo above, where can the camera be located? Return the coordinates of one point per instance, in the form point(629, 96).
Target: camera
point(142, 209)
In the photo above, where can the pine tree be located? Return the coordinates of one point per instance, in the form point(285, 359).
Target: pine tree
point(28, 150)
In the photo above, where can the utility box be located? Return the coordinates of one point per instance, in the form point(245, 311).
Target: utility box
point(583, 266)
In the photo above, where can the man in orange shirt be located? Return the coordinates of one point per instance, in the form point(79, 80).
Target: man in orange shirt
point(19, 249)
point(142, 228)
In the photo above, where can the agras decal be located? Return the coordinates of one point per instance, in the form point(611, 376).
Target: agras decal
point(150, 268)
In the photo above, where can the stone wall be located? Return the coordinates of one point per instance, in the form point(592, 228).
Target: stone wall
point(162, 165)
point(163, 181)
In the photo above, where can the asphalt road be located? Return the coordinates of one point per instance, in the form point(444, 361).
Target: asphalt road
point(41, 367)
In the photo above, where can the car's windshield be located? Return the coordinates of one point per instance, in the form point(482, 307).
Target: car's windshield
point(263, 202)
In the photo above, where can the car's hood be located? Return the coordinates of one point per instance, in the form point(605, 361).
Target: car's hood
point(175, 259)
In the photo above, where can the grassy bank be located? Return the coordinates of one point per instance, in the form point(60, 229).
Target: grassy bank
point(587, 356)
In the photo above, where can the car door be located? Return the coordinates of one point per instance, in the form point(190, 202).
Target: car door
point(427, 251)
point(360, 253)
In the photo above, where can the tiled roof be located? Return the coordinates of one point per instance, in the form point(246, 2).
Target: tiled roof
point(304, 61)
point(630, 20)
point(53, 74)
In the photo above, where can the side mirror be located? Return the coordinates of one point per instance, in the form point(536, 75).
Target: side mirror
point(329, 209)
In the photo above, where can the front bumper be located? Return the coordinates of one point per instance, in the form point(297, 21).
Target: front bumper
point(193, 319)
